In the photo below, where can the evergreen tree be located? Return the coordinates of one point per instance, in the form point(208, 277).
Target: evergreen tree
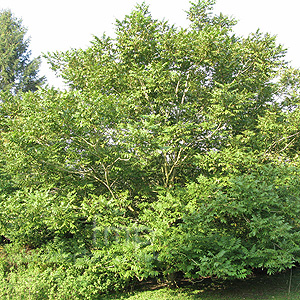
point(18, 72)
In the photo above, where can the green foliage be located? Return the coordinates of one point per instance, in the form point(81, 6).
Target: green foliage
point(33, 218)
point(173, 153)
point(17, 71)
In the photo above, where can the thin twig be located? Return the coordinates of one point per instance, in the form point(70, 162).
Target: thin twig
point(186, 88)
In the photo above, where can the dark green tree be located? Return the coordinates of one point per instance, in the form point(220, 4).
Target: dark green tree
point(18, 72)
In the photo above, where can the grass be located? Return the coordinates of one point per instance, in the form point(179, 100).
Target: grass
point(260, 287)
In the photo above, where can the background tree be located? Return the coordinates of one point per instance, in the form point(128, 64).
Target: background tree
point(18, 72)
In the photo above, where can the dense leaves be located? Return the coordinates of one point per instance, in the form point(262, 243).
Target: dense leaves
point(174, 151)
point(17, 71)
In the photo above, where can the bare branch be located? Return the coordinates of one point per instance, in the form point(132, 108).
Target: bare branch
point(177, 87)
point(281, 139)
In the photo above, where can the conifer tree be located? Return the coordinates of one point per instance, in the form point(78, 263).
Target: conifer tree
point(18, 72)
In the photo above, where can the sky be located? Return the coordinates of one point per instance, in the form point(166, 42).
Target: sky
point(59, 25)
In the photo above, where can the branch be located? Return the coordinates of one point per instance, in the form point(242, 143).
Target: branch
point(87, 142)
point(106, 182)
point(177, 87)
point(186, 88)
point(144, 89)
point(283, 138)
point(176, 162)
point(119, 158)
point(210, 135)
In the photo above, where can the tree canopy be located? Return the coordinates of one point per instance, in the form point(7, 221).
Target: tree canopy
point(18, 72)
point(175, 151)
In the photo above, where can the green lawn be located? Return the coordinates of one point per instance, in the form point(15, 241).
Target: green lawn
point(260, 287)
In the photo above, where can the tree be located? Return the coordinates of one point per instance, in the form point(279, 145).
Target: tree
point(177, 92)
point(17, 71)
point(186, 134)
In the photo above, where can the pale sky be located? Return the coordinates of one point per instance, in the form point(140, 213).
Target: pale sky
point(59, 25)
